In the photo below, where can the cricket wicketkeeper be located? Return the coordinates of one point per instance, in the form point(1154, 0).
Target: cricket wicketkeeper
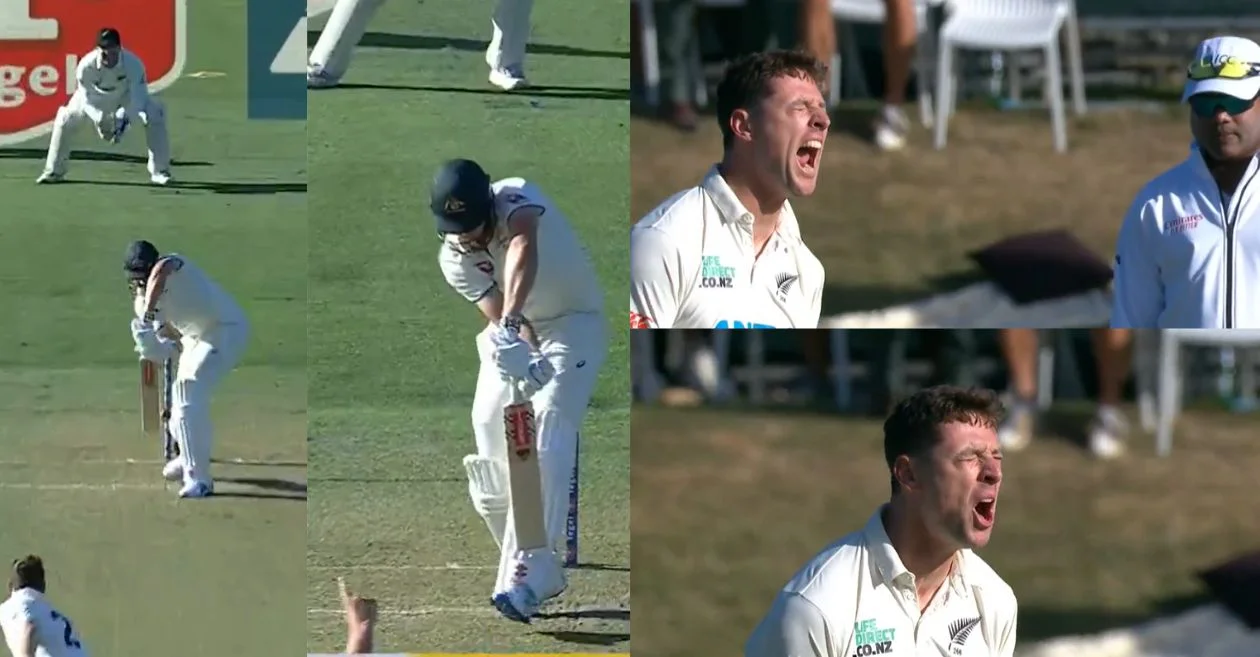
point(112, 93)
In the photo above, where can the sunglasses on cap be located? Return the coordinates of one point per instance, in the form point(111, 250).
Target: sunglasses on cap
point(1226, 69)
point(1231, 68)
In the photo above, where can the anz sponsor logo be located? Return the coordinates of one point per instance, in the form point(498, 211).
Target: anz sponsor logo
point(737, 324)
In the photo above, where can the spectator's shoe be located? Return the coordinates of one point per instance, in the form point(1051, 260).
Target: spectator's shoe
point(892, 128)
point(1017, 431)
point(1107, 433)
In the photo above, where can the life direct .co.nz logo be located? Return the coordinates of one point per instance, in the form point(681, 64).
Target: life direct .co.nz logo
point(715, 275)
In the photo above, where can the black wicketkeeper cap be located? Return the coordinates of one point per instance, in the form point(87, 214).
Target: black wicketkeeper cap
point(461, 199)
point(108, 38)
point(141, 256)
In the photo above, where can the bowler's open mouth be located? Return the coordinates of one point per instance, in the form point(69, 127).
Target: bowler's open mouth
point(808, 155)
point(985, 510)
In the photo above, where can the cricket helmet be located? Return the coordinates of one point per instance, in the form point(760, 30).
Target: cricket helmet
point(461, 198)
point(140, 260)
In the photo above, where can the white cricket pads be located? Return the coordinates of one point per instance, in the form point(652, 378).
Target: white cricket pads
point(490, 493)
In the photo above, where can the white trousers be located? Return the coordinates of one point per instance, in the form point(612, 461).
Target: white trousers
point(202, 365)
point(78, 111)
point(576, 347)
point(346, 26)
point(511, 34)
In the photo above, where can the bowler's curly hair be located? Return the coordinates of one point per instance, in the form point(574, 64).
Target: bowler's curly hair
point(914, 425)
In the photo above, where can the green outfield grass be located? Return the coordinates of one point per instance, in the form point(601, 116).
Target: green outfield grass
point(729, 504)
point(392, 352)
point(140, 573)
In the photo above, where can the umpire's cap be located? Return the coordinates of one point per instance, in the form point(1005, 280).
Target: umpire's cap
point(140, 259)
point(461, 199)
point(108, 38)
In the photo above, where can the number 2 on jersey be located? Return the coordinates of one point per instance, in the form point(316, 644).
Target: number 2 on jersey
point(69, 633)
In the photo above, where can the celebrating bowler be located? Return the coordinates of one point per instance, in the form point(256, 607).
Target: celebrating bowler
point(908, 584)
point(729, 253)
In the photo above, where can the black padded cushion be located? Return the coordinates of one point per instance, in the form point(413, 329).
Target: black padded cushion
point(1042, 266)
point(1236, 585)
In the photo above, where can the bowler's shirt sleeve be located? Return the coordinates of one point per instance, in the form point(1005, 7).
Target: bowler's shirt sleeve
point(794, 627)
point(1138, 289)
point(655, 279)
point(472, 275)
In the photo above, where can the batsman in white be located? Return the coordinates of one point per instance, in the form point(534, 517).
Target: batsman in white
point(507, 249)
point(330, 58)
point(112, 93)
point(32, 627)
point(212, 332)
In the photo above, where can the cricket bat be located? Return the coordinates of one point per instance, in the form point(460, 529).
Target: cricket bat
point(524, 475)
point(150, 400)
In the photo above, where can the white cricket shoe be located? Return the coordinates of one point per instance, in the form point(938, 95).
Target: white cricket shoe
point(318, 78)
point(196, 489)
point(162, 178)
point(50, 177)
point(538, 579)
point(174, 469)
point(508, 79)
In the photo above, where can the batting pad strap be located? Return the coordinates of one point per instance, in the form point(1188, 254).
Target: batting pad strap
point(487, 482)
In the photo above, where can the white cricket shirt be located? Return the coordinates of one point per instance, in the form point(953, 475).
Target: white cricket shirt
point(1188, 255)
point(107, 89)
point(565, 282)
point(54, 633)
point(856, 598)
point(194, 304)
point(692, 265)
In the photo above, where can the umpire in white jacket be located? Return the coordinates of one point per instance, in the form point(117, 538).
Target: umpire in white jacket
point(1188, 255)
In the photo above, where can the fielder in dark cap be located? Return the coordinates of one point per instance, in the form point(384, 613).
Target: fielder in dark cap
point(112, 93)
point(507, 249)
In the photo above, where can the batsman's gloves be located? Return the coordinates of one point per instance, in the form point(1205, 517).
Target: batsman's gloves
point(539, 375)
point(511, 354)
point(149, 344)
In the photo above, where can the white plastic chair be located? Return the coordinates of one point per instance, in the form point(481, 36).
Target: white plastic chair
point(1170, 394)
point(1011, 26)
point(847, 12)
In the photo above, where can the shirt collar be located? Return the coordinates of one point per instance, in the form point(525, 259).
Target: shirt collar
point(731, 210)
point(889, 564)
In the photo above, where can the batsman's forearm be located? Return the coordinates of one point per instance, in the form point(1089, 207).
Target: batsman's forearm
point(520, 272)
